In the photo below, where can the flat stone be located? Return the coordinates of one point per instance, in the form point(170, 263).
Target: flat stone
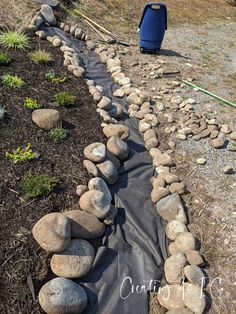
point(178, 187)
point(195, 275)
point(171, 297)
point(163, 160)
point(119, 93)
point(173, 228)
point(225, 128)
point(48, 14)
point(118, 147)
point(218, 143)
point(62, 295)
point(185, 242)
point(96, 203)
point(205, 133)
point(75, 261)
point(105, 103)
point(173, 267)
point(214, 134)
point(53, 232)
point(194, 298)
point(119, 130)
point(95, 152)
point(91, 168)
point(108, 172)
point(84, 225)
point(194, 258)
point(46, 119)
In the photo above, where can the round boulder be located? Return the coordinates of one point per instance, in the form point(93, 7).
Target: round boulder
point(118, 147)
point(48, 15)
point(46, 119)
point(185, 241)
point(95, 152)
point(173, 267)
point(173, 228)
point(108, 172)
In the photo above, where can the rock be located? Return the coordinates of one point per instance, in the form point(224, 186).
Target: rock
point(105, 103)
point(144, 126)
point(96, 203)
point(169, 177)
point(159, 182)
point(201, 161)
point(218, 143)
point(52, 3)
point(97, 96)
point(113, 159)
point(228, 169)
point(176, 100)
point(205, 133)
point(53, 232)
point(119, 93)
point(91, 45)
point(178, 187)
point(173, 249)
point(195, 275)
point(173, 267)
point(171, 297)
point(100, 185)
point(152, 143)
point(91, 168)
point(163, 160)
point(95, 152)
point(158, 193)
point(149, 134)
point(81, 189)
point(84, 225)
point(183, 310)
point(181, 137)
point(48, 14)
point(118, 147)
point(233, 136)
point(37, 21)
point(108, 172)
point(46, 118)
point(116, 110)
point(75, 261)
point(78, 33)
point(214, 134)
point(61, 295)
point(111, 216)
point(194, 258)
point(119, 130)
point(56, 42)
point(194, 298)
point(78, 72)
point(173, 228)
point(171, 208)
point(154, 152)
point(185, 242)
point(151, 119)
point(225, 128)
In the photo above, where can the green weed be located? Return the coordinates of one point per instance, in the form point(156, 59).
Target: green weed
point(11, 81)
point(65, 99)
point(13, 39)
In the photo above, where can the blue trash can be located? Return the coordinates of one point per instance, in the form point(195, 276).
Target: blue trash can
point(152, 26)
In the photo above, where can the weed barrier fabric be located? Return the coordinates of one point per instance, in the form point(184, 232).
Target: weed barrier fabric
point(129, 261)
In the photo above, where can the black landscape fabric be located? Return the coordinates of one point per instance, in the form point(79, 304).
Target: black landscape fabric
point(130, 260)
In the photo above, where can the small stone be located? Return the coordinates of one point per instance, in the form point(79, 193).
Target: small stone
point(169, 177)
point(151, 119)
point(228, 169)
point(183, 310)
point(91, 168)
point(53, 232)
point(225, 128)
point(108, 172)
point(116, 110)
point(78, 72)
point(205, 133)
point(173, 249)
point(159, 182)
point(119, 93)
point(154, 152)
point(75, 261)
point(111, 216)
point(144, 126)
point(181, 137)
point(97, 96)
point(201, 161)
point(91, 45)
point(178, 187)
point(151, 143)
point(118, 147)
point(171, 297)
point(56, 42)
point(149, 134)
point(62, 295)
point(214, 134)
point(46, 119)
point(194, 298)
point(173, 267)
point(173, 228)
point(96, 203)
point(185, 242)
point(48, 14)
point(163, 160)
point(105, 103)
point(81, 189)
point(84, 225)
point(218, 143)
point(95, 152)
point(195, 275)
point(233, 136)
point(78, 33)
point(119, 130)
point(158, 193)
point(194, 258)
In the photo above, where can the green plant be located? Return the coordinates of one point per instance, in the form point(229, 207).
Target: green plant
point(21, 154)
point(59, 134)
point(13, 39)
point(41, 56)
point(31, 103)
point(65, 99)
point(5, 58)
point(51, 76)
point(2, 113)
point(11, 81)
point(34, 185)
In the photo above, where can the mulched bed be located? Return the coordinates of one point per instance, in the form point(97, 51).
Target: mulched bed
point(20, 255)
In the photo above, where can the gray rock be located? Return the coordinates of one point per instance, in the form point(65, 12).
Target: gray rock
point(95, 152)
point(111, 216)
point(91, 168)
point(108, 172)
point(113, 159)
point(105, 103)
point(75, 261)
point(84, 225)
point(46, 119)
point(116, 110)
point(178, 187)
point(78, 33)
point(195, 275)
point(119, 130)
point(37, 21)
point(61, 295)
point(48, 14)
point(171, 297)
point(194, 298)
point(151, 143)
point(53, 232)
point(173, 228)
point(171, 208)
point(173, 267)
point(194, 258)
point(100, 185)
point(96, 203)
point(52, 3)
point(118, 147)
point(159, 193)
point(185, 241)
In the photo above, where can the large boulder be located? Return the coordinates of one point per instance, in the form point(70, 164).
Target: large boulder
point(108, 172)
point(46, 119)
point(95, 152)
point(118, 147)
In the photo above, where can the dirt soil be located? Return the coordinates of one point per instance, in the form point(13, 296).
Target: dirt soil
point(20, 256)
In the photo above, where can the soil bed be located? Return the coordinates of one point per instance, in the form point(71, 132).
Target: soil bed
point(20, 255)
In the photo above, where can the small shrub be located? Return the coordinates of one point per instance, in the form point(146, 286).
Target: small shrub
point(21, 154)
point(65, 99)
point(5, 58)
point(34, 185)
point(51, 76)
point(41, 56)
point(31, 104)
point(59, 134)
point(13, 39)
point(2, 113)
point(11, 81)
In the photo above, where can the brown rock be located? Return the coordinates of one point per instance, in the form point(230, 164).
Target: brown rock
point(171, 297)
point(173, 267)
point(218, 143)
point(118, 147)
point(81, 189)
point(95, 152)
point(158, 193)
point(194, 258)
point(119, 130)
point(163, 160)
point(178, 187)
point(91, 168)
point(185, 242)
point(46, 119)
point(108, 172)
